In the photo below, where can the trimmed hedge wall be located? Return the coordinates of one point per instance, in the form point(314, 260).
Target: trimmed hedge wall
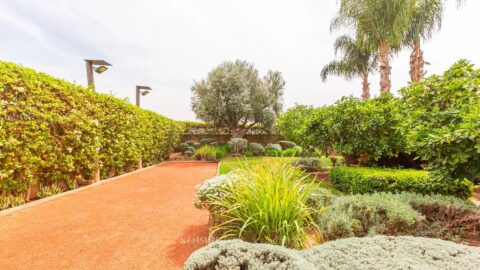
point(52, 131)
point(360, 180)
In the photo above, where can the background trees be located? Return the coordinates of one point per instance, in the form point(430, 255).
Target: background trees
point(356, 60)
point(381, 25)
point(234, 96)
point(426, 20)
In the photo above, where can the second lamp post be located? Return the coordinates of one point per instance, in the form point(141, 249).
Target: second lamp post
point(141, 90)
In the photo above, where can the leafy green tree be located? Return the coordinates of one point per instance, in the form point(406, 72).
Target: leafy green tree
point(443, 123)
point(356, 60)
point(426, 20)
point(235, 97)
point(353, 127)
point(293, 122)
point(381, 25)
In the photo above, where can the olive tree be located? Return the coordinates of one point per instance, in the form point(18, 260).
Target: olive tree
point(235, 97)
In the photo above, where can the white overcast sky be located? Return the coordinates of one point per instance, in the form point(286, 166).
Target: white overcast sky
point(169, 43)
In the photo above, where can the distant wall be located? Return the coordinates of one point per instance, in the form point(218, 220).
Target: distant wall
point(258, 138)
point(195, 131)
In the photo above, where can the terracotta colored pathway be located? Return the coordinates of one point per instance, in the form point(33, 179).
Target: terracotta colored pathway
point(145, 220)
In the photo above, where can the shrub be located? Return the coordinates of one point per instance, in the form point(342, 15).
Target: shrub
point(293, 123)
point(206, 152)
point(7, 201)
point(308, 164)
point(368, 180)
point(237, 144)
point(361, 215)
point(380, 252)
point(257, 149)
point(273, 152)
point(183, 147)
point(49, 190)
point(53, 131)
point(443, 126)
point(292, 152)
point(267, 203)
point(221, 151)
point(274, 146)
point(212, 188)
point(287, 144)
point(197, 145)
point(189, 153)
point(352, 127)
point(190, 143)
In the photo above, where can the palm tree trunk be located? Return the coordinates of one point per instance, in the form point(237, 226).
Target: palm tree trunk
point(417, 63)
point(385, 83)
point(365, 86)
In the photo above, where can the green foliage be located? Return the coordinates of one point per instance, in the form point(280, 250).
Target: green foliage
point(237, 144)
point(308, 164)
point(266, 203)
point(257, 149)
point(8, 201)
point(361, 215)
point(287, 144)
point(443, 126)
point(274, 146)
point(396, 214)
point(359, 180)
point(234, 96)
point(293, 122)
point(376, 253)
point(292, 152)
point(50, 190)
point(53, 131)
point(206, 152)
point(353, 127)
point(183, 147)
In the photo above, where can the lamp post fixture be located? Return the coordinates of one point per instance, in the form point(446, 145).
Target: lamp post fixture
point(141, 90)
point(100, 67)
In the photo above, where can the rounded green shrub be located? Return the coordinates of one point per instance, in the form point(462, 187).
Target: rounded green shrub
point(237, 144)
point(287, 144)
point(257, 149)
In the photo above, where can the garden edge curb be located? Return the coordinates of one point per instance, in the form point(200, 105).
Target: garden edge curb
point(101, 182)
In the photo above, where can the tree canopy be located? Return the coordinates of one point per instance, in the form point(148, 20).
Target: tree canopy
point(234, 96)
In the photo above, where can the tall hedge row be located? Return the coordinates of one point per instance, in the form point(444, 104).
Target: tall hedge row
point(52, 130)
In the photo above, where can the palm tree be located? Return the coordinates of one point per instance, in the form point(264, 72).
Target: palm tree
point(426, 20)
point(381, 24)
point(355, 61)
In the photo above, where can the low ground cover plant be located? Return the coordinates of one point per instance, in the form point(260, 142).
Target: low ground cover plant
point(49, 190)
point(359, 180)
point(267, 202)
point(206, 152)
point(380, 252)
point(398, 214)
point(8, 201)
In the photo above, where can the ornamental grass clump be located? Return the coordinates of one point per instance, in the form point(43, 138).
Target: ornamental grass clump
point(267, 203)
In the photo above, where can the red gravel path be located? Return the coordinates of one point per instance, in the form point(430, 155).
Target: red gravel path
point(144, 220)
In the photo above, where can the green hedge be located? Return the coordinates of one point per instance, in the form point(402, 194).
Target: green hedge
point(52, 130)
point(359, 180)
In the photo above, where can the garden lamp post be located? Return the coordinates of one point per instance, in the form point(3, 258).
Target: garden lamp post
point(141, 90)
point(99, 66)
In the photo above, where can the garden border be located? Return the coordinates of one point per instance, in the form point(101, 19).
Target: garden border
point(56, 196)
